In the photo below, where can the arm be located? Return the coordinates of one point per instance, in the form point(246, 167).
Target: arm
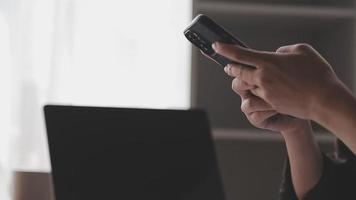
point(305, 158)
point(336, 111)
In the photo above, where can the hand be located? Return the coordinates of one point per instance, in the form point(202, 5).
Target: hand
point(297, 133)
point(262, 115)
point(293, 80)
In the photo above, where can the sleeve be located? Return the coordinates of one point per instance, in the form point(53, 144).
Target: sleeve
point(337, 182)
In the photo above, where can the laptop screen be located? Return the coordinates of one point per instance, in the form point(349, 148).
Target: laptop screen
point(131, 154)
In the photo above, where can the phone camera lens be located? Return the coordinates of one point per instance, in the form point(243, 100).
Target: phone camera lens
point(196, 36)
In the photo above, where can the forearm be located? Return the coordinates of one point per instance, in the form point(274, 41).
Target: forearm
point(336, 111)
point(306, 162)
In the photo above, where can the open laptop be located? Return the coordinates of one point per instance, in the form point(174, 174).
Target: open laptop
point(131, 154)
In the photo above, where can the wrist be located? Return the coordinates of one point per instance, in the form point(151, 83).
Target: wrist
point(301, 140)
point(337, 98)
point(301, 129)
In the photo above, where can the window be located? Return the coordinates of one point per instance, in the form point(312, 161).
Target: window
point(93, 52)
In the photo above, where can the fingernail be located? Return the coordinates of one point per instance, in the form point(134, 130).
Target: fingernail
point(228, 68)
point(225, 69)
point(214, 45)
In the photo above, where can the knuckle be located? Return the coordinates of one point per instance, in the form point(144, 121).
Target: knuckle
point(234, 84)
point(244, 109)
point(235, 71)
point(281, 49)
point(246, 106)
point(303, 47)
point(255, 117)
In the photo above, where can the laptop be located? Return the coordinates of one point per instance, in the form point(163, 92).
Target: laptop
point(100, 153)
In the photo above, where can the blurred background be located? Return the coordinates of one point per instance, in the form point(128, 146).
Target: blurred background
point(133, 54)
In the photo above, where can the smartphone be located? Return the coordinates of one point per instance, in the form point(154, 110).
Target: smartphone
point(203, 32)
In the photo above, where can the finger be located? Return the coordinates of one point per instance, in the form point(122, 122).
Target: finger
point(254, 104)
point(238, 85)
point(302, 47)
point(257, 118)
point(246, 74)
point(285, 49)
point(242, 55)
point(206, 55)
point(243, 93)
point(210, 58)
point(257, 92)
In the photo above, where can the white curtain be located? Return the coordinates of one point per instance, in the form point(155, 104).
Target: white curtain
point(128, 53)
point(6, 116)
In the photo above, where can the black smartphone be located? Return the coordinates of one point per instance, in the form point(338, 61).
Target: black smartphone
point(203, 32)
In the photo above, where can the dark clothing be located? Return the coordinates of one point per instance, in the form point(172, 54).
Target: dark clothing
point(338, 181)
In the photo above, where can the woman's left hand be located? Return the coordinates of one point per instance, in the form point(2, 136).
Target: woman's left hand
point(262, 115)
